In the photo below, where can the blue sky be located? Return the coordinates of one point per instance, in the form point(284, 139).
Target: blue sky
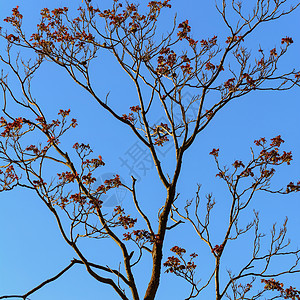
point(31, 249)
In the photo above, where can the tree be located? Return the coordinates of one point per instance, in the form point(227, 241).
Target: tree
point(162, 68)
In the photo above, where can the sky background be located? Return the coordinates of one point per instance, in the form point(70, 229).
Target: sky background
point(31, 248)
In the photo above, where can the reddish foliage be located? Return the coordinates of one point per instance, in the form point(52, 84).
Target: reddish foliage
point(209, 66)
point(215, 152)
point(229, 84)
point(287, 40)
point(269, 155)
point(233, 39)
point(179, 251)
point(273, 52)
point(178, 265)
point(209, 43)
point(185, 29)
point(141, 236)
point(238, 164)
point(128, 117)
point(288, 293)
point(8, 178)
point(13, 128)
point(135, 108)
point(250, 81)
point(218, 249)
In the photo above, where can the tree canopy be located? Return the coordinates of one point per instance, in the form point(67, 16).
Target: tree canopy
point(143, 87)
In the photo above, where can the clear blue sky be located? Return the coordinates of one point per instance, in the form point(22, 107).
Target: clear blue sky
point(31, 248)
